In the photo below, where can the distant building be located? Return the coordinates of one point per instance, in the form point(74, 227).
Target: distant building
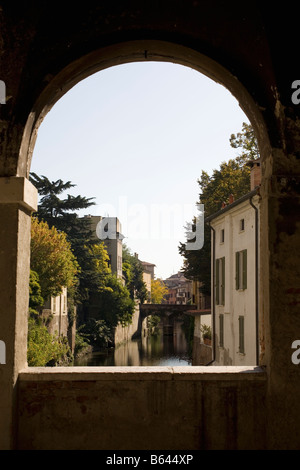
point(148, 268)
point(55, 315)
point(148, 275)
point(180, 289)
point(108, 230)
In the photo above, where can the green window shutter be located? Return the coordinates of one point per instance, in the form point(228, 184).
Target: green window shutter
point(237, 269)
point(221, 325)
point(223, 281)
point(244, 269)
point(241, 335)
point(217, 281)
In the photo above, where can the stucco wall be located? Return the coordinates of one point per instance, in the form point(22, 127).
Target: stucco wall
point(237, 302)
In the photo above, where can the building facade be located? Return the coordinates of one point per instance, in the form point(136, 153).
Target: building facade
point(109, 230)
point(235, 278)
point(180, 289)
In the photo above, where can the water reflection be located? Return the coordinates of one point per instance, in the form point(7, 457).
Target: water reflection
point(157, 350)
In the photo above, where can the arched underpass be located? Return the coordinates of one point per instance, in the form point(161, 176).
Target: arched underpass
point(44, 52)
point(166, 311)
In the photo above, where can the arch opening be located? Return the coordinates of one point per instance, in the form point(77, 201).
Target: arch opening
point(136, 51)
point(129, 53)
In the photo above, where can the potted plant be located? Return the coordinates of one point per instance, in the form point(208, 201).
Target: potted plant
point(206, 333)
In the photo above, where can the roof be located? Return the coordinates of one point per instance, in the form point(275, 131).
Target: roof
point(249, 195)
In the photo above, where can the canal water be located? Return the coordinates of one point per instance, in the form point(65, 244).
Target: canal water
point(155, 350)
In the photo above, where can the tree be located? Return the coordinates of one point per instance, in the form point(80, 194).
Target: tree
point(109, 301)
point(158, 291)
point(52, 259)
point(111, 305)
point(232, 178)
point(247, 142)
point(61, 213)
point(133, 273)
point(43, 348)
point(56, 211)
point(35, 293)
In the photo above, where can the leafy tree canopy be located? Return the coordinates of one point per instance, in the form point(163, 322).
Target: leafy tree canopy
point(232, 178)
point(158, 291)
point(52, 259)
point(133, 273)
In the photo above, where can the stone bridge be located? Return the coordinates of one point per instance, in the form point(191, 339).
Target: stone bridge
point(164, 309)
point(167, 312)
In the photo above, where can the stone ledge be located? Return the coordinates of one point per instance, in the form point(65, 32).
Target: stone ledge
point(188, 373)
point(18, 190)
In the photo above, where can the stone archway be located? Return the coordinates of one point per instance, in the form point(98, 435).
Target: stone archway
point(135, 51)
point(189, 36)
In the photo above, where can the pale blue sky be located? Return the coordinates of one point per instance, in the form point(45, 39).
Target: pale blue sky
point(136, 137)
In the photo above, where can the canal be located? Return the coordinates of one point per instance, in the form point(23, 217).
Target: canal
point(155, 350)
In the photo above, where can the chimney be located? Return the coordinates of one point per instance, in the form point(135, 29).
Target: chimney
point(255, 174)
point(231, 198)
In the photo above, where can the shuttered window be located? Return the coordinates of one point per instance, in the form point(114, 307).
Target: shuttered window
point(241, 269)
point(220, 281)
point(221, 327)
point(241, 335)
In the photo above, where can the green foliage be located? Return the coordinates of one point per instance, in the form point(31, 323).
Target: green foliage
point(91, 286)
point(45, 349)
point(247, 142)
point(206, 331)
point(99, 266)
point(133, 274)
point(152, 323)
point(52, 258)
point(232, 178)
point(96, 333)
point(113, 304)
point(61, 213)
point(81, 341)
point(35, 295)
point(54, 210)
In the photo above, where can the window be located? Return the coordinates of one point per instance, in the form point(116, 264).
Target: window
point(220, 281)
point(242, 225)
point(241, 270)
point(221, 326)
point(241, 335)
point(222, 236)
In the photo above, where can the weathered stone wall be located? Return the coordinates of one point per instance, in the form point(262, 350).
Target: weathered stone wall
point(142, 408)
point(125, 333)
point(43, 54)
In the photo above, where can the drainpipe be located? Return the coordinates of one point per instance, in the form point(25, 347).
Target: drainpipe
point(213, 299)
point(256, 279)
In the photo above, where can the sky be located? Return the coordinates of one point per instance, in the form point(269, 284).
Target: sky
point(136, 138)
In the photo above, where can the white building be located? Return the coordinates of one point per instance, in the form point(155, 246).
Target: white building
point(235, 278)
point(57, 309)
